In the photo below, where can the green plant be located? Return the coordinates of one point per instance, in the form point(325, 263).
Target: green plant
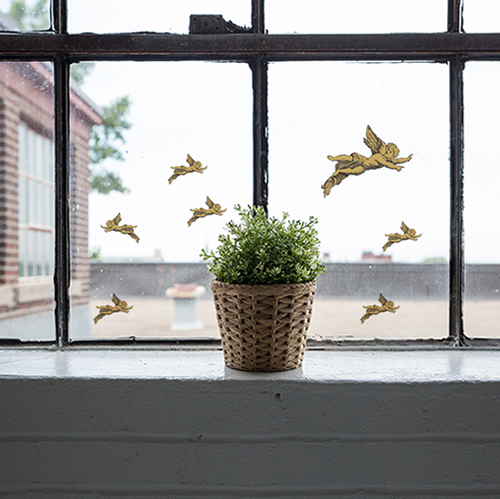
point(266, 250)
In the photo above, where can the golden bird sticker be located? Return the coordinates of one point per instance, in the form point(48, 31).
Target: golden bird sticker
point(213, 209)
point(383, 155)
point(194, 166)
point(119, 306)
point(112, 225)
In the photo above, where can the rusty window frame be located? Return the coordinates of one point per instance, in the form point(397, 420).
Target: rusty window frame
point(257, 48)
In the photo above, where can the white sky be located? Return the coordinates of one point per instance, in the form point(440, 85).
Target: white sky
point(316, 109)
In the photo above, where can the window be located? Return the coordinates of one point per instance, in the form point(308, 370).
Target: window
point(266, 93)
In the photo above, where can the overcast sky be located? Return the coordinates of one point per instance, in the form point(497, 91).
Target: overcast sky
point(316, 109)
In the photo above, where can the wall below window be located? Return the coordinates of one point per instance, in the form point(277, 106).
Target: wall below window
point(89, 423)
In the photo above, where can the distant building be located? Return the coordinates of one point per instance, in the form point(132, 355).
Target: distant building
point(27, 189)
point(369, 257)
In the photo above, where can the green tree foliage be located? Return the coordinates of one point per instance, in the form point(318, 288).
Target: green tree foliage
point(266, 250)
point(105, 142)
point(30, 18)
point(107, 138)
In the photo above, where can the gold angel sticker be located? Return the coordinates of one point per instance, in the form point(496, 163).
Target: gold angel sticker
point(120, 306)
point(408, 234)
point(112, 225)
point(213, 209)
point(194, 166)
point(387, 306)
point(383, 155)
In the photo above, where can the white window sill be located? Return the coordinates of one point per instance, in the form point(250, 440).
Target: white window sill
point(364, 366)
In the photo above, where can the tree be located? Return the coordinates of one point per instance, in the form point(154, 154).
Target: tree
point(105, 139)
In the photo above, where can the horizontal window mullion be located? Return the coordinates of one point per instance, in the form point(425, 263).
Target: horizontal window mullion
point(133, 45)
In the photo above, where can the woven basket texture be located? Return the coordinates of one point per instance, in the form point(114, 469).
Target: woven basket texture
point(263, 327)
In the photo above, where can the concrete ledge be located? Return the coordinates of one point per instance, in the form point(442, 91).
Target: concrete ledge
point(33, 291)
point(7, 295)
point(349, 424)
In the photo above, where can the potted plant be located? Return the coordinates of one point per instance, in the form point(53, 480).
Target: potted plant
point(265, 272)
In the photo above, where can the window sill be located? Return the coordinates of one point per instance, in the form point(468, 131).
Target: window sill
point(337, 366)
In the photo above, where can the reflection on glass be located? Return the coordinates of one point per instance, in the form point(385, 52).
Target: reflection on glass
point(24, 15)
point(482, 177)
point(190, 123)
point(323, 109)
point(481, 16)
point(356, 16)
point(27, 201)
point(150, 15)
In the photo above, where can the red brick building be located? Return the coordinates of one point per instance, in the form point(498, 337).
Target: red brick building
point(27, 189)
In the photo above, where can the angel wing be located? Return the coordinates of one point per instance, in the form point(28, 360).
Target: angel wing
point(190, 160)
point(381, 299)
point(209, 202)
point(117, 219)
point(404, 227)
point(372, 141)
point(116, 300)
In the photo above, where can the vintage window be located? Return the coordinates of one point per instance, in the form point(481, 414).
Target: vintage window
point(260, 93)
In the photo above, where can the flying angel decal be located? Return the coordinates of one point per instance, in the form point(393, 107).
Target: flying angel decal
point(408, 234)
point(194, 166)
point(213, 209)
point(387, 306)
point(383, 155)
point(112, 225)
point(119, 306)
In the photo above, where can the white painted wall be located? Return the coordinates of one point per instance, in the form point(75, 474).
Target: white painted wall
point(95, 423)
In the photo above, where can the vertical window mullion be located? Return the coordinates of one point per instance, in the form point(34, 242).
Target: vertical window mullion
point(62, 255)
point(60, 16)
point(455, 9)
point(457, 273)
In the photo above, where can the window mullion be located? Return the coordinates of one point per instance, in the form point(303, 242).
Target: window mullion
point(258, 16)
point(457, 273)
point(62, 250)
point(455, 9)
point(60, 16)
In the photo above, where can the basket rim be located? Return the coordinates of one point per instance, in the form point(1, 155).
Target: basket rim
point(257, 287)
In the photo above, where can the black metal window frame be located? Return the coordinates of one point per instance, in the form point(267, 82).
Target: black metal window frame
point(257, 48)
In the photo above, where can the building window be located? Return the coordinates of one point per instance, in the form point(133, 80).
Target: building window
point(36, 204)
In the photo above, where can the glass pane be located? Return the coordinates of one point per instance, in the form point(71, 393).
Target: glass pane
point(28, 15)
point(150, 15)
point(482, 174)
point(356, 16)
point(26, 119)
point(180, 113)
point(323, 109)
point(481, 16)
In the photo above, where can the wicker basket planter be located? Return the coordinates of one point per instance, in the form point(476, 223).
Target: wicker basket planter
point(263, 327)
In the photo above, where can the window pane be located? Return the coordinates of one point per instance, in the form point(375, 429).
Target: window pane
point(150, 15)
point(321, 109)
point(482, 174)
point(30, 15)
point(356, 16)
point(26, 121)
point(481, 16)
point(177, 109)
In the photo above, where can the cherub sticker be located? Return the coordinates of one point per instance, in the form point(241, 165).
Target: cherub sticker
point(387, 306)
point(194, 166)
point(213, 209)
point(397, 238)
point(355, 164)
point(112, 225)
point(120, 306)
